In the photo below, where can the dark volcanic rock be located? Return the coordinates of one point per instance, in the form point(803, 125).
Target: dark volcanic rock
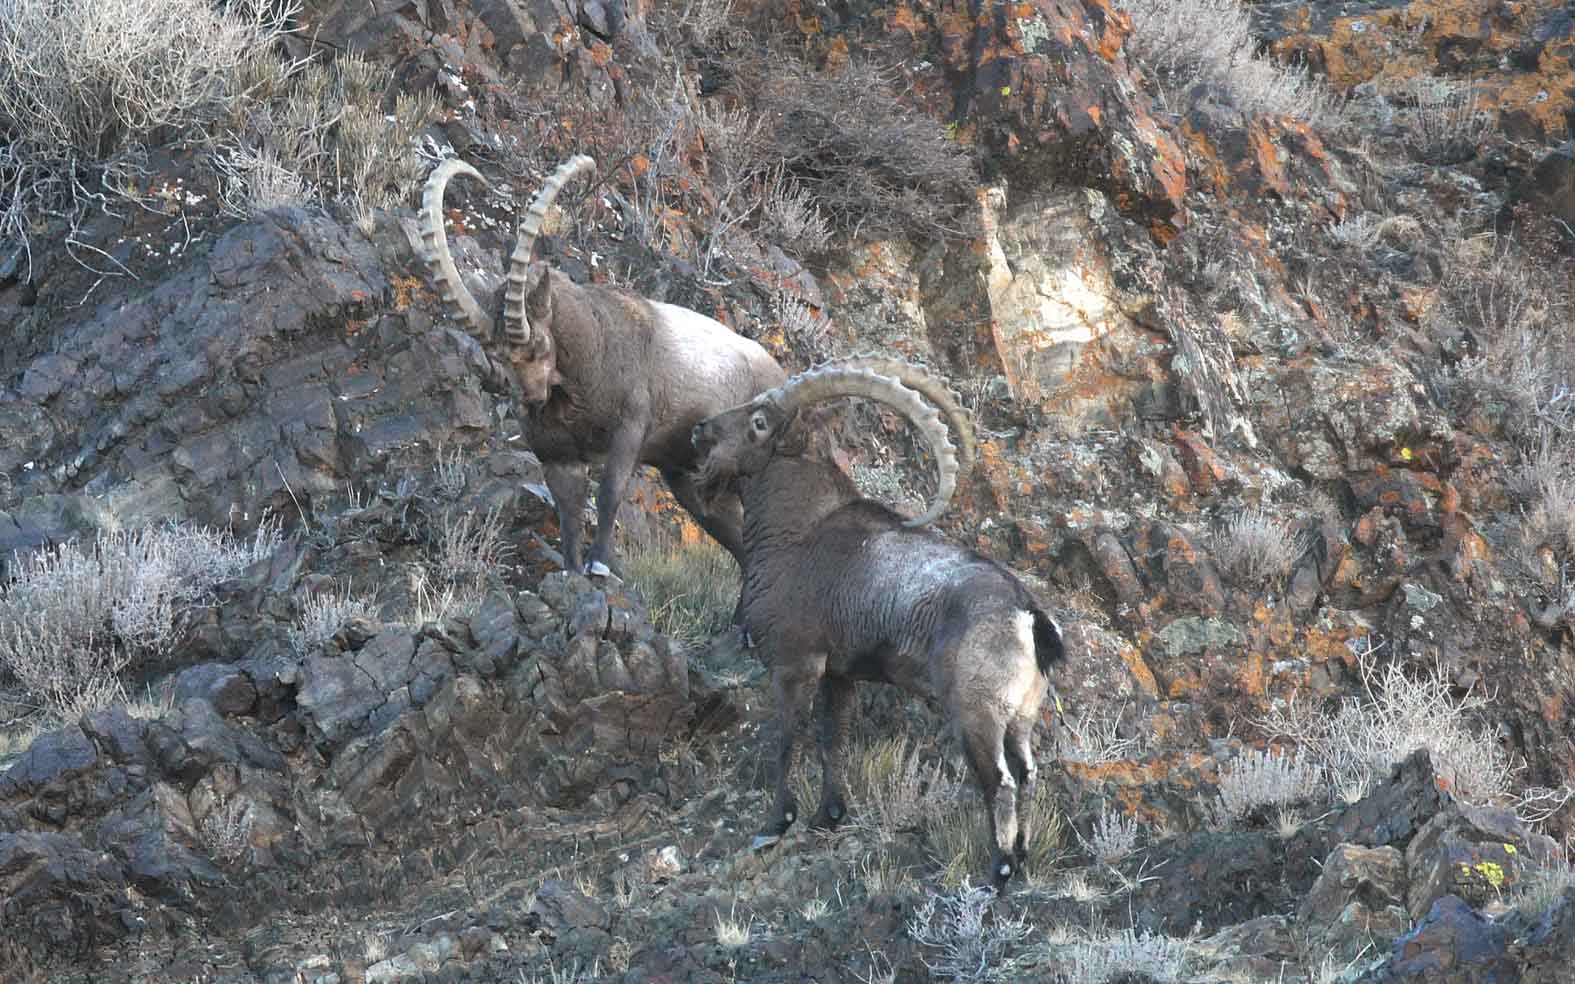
point(1045, 86)
point(259, 375)
point(1452, 945)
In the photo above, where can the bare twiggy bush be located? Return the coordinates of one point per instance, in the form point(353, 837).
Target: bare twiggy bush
point(322, 616)
point(322, 135)
point(871, 166)
point(74, 618)
point(1537, 804)
point(1510, 301)
point(1192, 41)
point(1257, 779)
point(1398, 714)
point(805, 327)
point(790, 217)
point(965, 939)
point(689, 587)
point(1254, 548)
point(87, 88)
point(1094, 737)
point(1448, 122)
point(737, 151)
point(700, 22)
point(226, 830)
point(1097, 959)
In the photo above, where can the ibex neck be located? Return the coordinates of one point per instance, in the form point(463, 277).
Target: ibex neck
point(580, 328)
point(791, 495)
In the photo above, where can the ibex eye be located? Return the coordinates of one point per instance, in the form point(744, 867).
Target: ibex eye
point(758, 422)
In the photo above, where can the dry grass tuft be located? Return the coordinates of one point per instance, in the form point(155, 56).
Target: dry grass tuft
point(689, 588)
point(323, 615)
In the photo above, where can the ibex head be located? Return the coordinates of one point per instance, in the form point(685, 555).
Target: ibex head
point(526, 337)
point(740, 442)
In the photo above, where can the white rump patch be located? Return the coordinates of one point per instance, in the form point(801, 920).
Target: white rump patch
point(1024, 682)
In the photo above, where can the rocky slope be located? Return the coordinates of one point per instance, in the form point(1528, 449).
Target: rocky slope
point(1167, 314)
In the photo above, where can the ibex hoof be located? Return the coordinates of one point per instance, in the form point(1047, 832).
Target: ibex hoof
point(763, 841)
point(597, 569)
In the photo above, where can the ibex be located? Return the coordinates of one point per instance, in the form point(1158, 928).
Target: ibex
point(607, 376)
point(840, 588)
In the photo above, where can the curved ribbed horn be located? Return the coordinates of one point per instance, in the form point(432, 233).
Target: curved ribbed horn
point(832, 381)
point(516, 329)
point(445, 276)
point(934, 389)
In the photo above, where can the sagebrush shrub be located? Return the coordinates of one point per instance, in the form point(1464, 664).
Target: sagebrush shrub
point(87, 87)
point(1365, 737)
point(75, 617)
point(963, 940)
point(1258, 779)
point(1254, 547)
point(1210, 41)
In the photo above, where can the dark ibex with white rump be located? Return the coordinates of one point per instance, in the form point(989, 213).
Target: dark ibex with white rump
point(607, 376)
point(840, 588)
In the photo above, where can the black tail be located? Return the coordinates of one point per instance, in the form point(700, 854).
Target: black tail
point(1048, 649)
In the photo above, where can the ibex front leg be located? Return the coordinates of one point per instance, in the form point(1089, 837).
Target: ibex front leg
point(616, 472)
point(566, 480)
point(796, 683)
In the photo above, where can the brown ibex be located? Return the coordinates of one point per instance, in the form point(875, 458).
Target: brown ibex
point(840, 588)
point(607, 376)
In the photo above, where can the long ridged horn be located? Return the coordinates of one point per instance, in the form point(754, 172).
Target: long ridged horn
point(835, 380)
point(934, 389)
point(445, 276)
point(516, 329)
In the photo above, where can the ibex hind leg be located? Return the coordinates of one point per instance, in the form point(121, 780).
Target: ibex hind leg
point(984, 747)
point(1020, 760)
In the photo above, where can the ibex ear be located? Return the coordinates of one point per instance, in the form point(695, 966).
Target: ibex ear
point(538, 301)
